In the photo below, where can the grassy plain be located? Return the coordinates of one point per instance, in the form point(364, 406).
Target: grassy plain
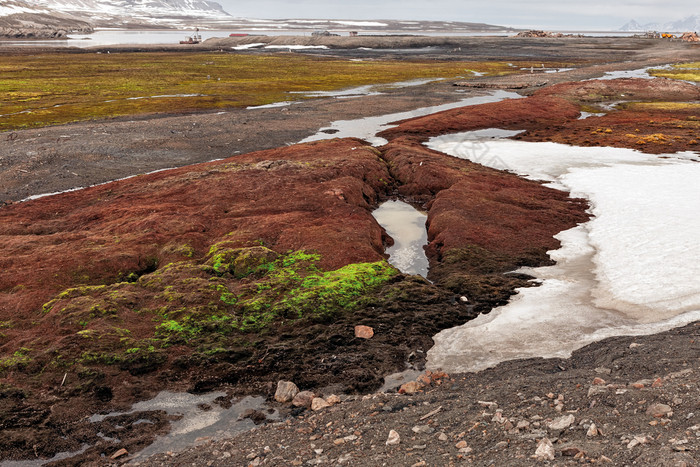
point(684, 71)
point(56, 88)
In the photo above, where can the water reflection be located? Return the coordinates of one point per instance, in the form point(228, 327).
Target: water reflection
point(406, 225)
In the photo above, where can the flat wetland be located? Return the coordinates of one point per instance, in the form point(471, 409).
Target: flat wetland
point(48, 89)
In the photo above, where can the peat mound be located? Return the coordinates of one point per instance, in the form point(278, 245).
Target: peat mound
point(514, 114)
point(651, 115)
point(241, 272)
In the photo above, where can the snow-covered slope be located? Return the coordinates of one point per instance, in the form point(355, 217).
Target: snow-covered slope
point(125, 8)
point(14, 7)
point(115, 13)
point(21, 19)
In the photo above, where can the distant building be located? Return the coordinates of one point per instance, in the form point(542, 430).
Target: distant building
point(353, 33)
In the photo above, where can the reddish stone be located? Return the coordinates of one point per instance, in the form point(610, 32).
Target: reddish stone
point(411, 387)
point(425, 380)
point(364, 332)
point(303, 399)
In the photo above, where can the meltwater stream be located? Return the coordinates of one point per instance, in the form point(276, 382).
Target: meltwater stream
point(368, 127)
point(631, 270)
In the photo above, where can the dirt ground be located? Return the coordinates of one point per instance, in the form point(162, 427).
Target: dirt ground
point(496, 417)
point(622, 401)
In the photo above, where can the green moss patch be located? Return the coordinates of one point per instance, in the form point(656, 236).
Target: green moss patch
point(683, 71)
point(213, 306)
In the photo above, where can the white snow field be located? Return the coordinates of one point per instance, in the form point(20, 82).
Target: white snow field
point(631, 270)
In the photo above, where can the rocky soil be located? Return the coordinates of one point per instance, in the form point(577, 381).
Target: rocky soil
point(622, 401)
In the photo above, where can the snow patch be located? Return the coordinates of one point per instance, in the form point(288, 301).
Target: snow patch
point(361, 23)
point(248, 46)
point(631, 270)
point(296, 47)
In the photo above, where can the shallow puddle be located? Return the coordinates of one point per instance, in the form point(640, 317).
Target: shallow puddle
point(406, 225)
point(203, 418)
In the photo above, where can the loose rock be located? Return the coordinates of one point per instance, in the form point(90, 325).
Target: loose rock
point(561, 423)
point(545, 450)
point(423, 429)
point(303, 399)
point(333, 399)
point(592, 431)
point(364, 332)
point(393, 438)
point(411, 387)
point(318, 403)
point(659, 410)
point(286, 390)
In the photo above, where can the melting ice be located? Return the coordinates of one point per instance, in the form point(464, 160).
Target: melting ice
point(631, 270)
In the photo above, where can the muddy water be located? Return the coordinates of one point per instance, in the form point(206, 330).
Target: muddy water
point(406, 225)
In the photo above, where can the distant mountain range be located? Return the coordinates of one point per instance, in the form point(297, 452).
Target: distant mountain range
point(20, 14)
point(690, 23)
point(56, 18)
point(151, 9)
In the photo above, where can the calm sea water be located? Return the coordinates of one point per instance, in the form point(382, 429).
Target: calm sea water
point(116, 36)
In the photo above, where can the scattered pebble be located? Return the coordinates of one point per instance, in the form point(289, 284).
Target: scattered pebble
point(545, 450)
point(393, 438)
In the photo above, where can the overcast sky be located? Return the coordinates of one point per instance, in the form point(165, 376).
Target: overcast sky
point(591, 14)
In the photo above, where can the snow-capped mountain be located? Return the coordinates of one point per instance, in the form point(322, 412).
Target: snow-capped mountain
point(21, 19)
point(690, 23)
point(116, 13)
point(633, 26)
point(126, 8)
point(186, 14)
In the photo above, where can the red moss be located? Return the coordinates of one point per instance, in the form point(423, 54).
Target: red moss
point(313, 197)
point(509, 114)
